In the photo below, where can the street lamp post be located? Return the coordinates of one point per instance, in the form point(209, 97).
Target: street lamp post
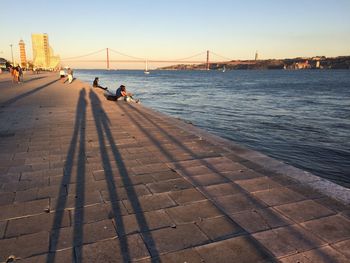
point(13, 63)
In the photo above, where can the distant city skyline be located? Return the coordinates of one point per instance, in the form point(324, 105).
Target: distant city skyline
point(176, 29)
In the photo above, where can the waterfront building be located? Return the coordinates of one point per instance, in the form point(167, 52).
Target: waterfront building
point(43, 56)
point(22, 53)
point(318, 61)
point(301, 65)
point(317, 64)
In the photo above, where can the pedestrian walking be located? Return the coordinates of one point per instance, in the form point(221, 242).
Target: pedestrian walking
point(15, 75)
point(20, 74)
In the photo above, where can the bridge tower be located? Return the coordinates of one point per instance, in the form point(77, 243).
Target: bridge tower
point(107, 59)
point(208, 64)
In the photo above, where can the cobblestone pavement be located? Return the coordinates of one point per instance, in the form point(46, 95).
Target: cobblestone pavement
point(83, 179)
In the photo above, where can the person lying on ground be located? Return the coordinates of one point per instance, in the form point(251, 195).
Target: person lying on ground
point(96, 85)
point(122, 94)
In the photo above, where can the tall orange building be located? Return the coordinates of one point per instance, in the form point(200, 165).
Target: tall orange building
point(22, 52)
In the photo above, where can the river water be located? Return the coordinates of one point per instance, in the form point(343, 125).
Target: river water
point(300, 117)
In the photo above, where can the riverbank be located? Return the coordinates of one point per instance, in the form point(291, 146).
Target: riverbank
point(84, 179)
point(299, 63)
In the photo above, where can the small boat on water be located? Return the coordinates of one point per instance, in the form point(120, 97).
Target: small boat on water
point(224, 69)
point(146, 68)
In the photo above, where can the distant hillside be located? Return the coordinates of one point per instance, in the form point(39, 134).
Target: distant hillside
point(342, 62)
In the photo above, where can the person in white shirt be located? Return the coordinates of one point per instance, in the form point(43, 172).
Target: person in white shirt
point(70, 75)
point(62, 75)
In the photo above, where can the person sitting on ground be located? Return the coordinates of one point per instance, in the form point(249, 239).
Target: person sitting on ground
point(122, 94)
point(95, 84)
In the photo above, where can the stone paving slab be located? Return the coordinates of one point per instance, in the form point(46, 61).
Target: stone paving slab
point(60, 256)
point(143, 222)
point(238, 249)
point(173, 239)
point(288, 240)
point(332, 228)
point(36, 223)
point(24, 246)
point(193, 212)
point(187, 196)
point(343, 247)
point(89, 214)
point(67, 237)
point(169, 185)
point(17, 210)
point(218, 190)
point(148, 203)
point(83, 179)
point(185, 255)
point(260, 219)
point(238, 203)
point(3, 225)
point(278, 196)
point(219, 228)
point(258, 184)
point(320, 255)
point(113, 251)
point(304, 210)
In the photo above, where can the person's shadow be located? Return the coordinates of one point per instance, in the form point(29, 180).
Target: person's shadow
point(105, 136)
point(77, 145)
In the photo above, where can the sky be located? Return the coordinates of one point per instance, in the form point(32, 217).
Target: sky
point(175, 29)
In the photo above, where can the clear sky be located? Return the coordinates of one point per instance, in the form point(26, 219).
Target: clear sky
point(174, 29)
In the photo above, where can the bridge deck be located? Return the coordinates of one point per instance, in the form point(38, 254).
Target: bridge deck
point(83, 179)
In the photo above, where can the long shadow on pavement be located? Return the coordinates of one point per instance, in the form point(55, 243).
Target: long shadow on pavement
point(25, 81)
point(105, 136)
point(26, 94)
point(77, 146)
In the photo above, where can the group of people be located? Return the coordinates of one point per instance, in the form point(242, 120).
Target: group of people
point(17, 74)
point(69, 75)
point(120, 94)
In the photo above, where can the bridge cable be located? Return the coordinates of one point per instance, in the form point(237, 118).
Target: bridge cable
point(183, 59)
point(120, 53)
point(86, 55)
point(228, 59)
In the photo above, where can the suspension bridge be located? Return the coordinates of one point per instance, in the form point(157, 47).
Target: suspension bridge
point(204, 57)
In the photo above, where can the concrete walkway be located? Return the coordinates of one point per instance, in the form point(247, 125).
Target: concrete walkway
point(83, 179)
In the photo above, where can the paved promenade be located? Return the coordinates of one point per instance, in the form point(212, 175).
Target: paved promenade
point(83, 179)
